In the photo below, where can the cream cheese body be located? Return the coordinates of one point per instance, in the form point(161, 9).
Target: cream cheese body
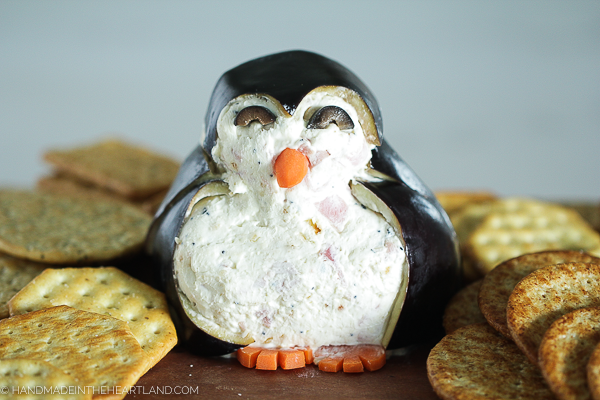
point(304, 266)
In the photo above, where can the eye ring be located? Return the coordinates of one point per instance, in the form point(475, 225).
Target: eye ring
point(330, 114)
point(254, 113)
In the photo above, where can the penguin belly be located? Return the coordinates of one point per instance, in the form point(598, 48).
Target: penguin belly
point(283, 276)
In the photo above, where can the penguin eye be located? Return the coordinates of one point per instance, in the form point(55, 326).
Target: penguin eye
point(254, 113)
point(330, 114)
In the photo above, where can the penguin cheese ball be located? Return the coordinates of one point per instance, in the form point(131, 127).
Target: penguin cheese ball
point(294, 232)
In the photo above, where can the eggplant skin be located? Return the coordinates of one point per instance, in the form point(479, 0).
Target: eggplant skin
point(160, 246)
point(431, 248)
point(432, 258)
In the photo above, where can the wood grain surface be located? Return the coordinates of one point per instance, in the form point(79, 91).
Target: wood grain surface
point(186, 376)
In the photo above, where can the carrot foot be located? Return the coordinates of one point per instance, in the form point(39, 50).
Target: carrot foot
point(350, 358)
point(269, 359)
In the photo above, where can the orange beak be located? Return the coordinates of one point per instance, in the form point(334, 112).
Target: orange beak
point(290, 168)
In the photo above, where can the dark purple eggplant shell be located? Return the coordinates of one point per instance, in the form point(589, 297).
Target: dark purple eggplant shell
point(288, 77)
point(431, 248)
point(431, 244)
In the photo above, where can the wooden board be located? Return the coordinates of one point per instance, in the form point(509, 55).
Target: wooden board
point(183, 375)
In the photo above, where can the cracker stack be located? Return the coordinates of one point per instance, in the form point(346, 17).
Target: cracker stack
point(541, 338)
point(111, 169)
point(81, 332)
point(99, 326)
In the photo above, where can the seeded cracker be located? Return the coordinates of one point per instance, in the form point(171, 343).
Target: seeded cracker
point(462, 309)
point(565, 351)
point(14, 275)
point(523, 226)
point(499, 283)
point(24, 378)
point(61, 230)
point(132, 171)
point(476, 362)
point(544, 296)
point(98, 350)
point(593, 373)
point(65, 186)
point(106, 291)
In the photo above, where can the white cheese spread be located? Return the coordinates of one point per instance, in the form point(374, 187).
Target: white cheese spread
point(304, 266)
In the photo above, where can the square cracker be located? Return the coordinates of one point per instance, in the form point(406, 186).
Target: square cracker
point(24, 376)
point(129, 170)
point(67, 186)
point(98, 350)
point(453, 201)
point(107, 291)
point(517, 226)
point(14, 275)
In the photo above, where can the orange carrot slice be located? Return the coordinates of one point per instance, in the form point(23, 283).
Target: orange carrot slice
point(372, 357)
point(291, 359)
point(290, 168)
point(308, 355)
point(331, 364)
point(353, 364)
point(248, 355)
point(267, 360)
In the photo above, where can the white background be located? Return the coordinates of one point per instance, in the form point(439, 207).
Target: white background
point(502, 95)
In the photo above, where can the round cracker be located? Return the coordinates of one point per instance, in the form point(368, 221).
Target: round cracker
point(14, 275)
point(593, 373)
point(63, 230)
point(462, 309)
point(499, 283)
point(476, 362)
point(565, 350)
point(544, 296)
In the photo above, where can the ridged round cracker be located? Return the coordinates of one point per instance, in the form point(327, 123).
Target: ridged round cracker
point(14, 275)
point(462, 309)
point(63, 230)
point(35, 379)
point(98, 350)
point(523, 226)
point(108, 291)
point(544, 296)
point(476, 362)
point(499, 283)
point(129, 170)
point(593, 373)
point(565, 350)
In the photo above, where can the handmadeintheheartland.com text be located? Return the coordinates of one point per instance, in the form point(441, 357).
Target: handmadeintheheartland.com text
point(96, 390)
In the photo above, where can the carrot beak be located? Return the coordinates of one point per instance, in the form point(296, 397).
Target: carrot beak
point(290, 168)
